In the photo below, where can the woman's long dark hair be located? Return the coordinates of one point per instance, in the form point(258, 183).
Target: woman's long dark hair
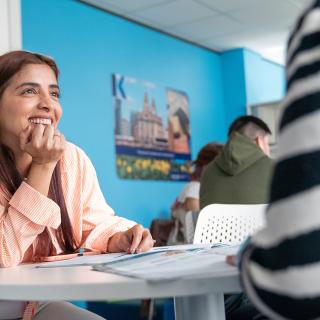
point(10, 178)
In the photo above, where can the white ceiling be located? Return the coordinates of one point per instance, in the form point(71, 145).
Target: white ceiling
point(259, 25)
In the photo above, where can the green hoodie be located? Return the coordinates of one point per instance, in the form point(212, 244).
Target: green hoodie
point(239, 175)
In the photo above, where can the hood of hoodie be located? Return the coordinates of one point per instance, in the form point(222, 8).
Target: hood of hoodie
point(238, 154)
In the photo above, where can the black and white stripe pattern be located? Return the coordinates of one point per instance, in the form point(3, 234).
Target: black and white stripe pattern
point(280, 269)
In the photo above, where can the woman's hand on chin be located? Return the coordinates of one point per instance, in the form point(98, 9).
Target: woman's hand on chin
point(44, 143)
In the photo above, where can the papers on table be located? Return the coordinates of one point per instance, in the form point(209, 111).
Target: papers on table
point(91, 260)
point(101, 258)
point(168, 263)
point(158, 264)
point(83, 260)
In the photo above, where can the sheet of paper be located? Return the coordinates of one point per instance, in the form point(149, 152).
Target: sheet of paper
point(114, 257)
point(166, 263)
point(102, 258)
point(83, 260)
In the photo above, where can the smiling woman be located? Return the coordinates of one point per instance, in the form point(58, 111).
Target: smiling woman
point(59, 207)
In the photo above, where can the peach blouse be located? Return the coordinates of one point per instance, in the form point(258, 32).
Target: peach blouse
point(27, 213)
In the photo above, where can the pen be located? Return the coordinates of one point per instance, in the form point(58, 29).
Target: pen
point(81, 252)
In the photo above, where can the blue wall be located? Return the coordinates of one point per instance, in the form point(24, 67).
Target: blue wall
point(265, 80)
point(249, 79)
point(89, 45)
point(234, 84)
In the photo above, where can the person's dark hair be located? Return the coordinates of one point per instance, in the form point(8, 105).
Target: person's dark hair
point(249, 126)
point(10, 178)
point(12, 62)
point(205, 155)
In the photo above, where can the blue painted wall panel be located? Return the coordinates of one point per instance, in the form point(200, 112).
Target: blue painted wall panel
point(265, 80)
point(234, 84)
point(249, 79)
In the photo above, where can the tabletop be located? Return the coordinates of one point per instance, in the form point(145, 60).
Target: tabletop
point(26, 282)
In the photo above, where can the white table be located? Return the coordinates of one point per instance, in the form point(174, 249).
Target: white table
point(200, 297)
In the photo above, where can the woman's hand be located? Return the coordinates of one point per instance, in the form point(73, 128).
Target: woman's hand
point(44, 143)
point(135, 240)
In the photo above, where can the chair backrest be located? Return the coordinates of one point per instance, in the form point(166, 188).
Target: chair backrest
point(228, 223)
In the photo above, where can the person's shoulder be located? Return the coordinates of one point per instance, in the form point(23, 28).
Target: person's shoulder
point(193, 189)
point(189, 190)
point(263, 167)
point(72, 150)
point(266, 161)
point(193, 185)
point(73, 153)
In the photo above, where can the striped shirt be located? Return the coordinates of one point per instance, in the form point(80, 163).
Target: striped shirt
point(280, 269)
point(28, 213)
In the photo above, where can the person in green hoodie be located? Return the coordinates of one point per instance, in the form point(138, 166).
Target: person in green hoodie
point(241, 173)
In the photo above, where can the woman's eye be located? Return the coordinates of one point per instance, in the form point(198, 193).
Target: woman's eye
point(29, 91)
point(55, 94)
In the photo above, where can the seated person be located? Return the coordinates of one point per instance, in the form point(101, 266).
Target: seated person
point(50, 199)
point(188, 199)
point(241, 172)
point(239, 175)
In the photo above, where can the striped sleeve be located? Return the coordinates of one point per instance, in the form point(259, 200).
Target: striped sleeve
point(280, 268)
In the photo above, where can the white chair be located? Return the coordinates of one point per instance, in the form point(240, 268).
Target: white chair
point(228, 223)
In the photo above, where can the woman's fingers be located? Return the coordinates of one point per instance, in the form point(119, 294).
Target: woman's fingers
point(43, 142)
point(147, 242)
point(137, 232)
point(136, 239)
point(37, 136)
point(141, 240)
point(62, 142)
point(48, 137)
point(59, 142)
point(25, 137)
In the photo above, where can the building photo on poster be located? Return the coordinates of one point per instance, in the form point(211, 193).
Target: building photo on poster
point(152, 130)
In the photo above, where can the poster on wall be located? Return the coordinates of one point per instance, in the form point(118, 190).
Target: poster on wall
point(152, 130)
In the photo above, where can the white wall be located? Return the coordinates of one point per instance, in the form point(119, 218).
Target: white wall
point(10, 25)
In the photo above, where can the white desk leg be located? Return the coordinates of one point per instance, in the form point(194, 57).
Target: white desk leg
point(203, 307)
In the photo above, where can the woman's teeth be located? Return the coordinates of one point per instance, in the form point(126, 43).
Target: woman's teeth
point(40, 121)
